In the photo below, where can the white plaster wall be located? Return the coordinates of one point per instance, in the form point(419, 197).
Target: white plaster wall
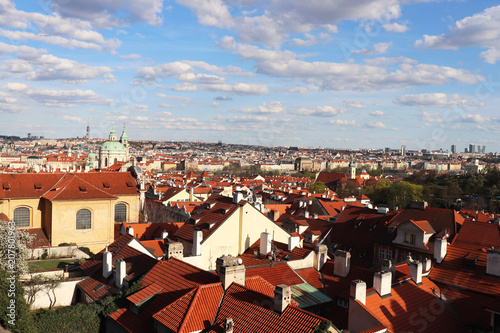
point(65, 295)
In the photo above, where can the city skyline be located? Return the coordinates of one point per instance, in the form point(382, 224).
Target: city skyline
point(380, 73)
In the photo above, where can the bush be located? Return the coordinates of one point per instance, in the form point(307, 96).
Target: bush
point(86, 250)
point(78, 318)
point(44, 255)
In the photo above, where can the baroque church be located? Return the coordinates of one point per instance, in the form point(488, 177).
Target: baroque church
point(114, 150)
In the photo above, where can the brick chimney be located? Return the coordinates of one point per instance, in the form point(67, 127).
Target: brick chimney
point(197, 238)
point(282, 298)
point(107, 265)
point(382, 282)
point(416, 272)
point(265, 243)
point(440, 248)
point(342, 264)
point(358, 291)
point(493, 262)
point(121, 272)
point(320, 256)
point(230, 270)
point(174, 250)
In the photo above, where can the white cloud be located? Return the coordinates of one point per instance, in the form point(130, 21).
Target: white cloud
point(378, 49)
point(475, 118)
point(377, 124)
point(63, 98)
point(431, 117)
point(355, 104)
point(395, 27)
point(178, 98)
point(130, 56)
point(439, 100)
point(73, 119)
point(265, 108)
point(15, 86)
point(377, 113)
point(320, 111)
point(347, 76)
point(481, 29)
point(343, 122)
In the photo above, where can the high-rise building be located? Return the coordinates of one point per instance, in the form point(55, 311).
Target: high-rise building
point(387, 149)
point(472, 148)
point(483, 150)
point(88, 131)
point(453, 149)
point(403, 150)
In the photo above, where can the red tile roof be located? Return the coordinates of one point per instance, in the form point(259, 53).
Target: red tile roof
point(39, 238)
point(251, 312)
point(453, 271)
point(277, 273)
point(413, 308)
point(195, 311)
point(144, 293)
point(157, 246)
point(424, 226)
point(150, 231)
point(250, 259)
point(478, 235)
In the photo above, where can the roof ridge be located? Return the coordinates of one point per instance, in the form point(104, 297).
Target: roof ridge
point(63, 187)
point(94, 186)
point(190, 307)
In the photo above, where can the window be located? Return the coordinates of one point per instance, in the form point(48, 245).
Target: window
point(83, 219)
point(412, 239)
point(407, 237)
point(342, 302)
point(381, 254)
point(22, 217)
point(120, 212)
point(388, 255)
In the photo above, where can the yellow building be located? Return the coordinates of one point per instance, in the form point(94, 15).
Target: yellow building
point(79, 208)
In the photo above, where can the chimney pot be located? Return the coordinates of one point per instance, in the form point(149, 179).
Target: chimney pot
point(416, 272)
point(293, 242)
point(106, 263)
point(282, 298)
point(382, 282)
point(265, 243)
point(320, 256)
point(342, 263)
point(358, 291)
point(121, 272)
point(440, 249)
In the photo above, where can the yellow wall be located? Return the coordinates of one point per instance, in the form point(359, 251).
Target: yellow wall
point(8, 206)
point(233, 237)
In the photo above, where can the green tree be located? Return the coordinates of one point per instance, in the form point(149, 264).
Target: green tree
point(402, 193)
point(14, 248)
point(318, 187)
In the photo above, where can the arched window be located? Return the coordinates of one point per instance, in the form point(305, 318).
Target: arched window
point(22, 217)
point(83, 219)
point(116, 160)
point(106, 162)
point(120, 212)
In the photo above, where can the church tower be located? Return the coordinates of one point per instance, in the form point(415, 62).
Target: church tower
point(352, 169)
point(124, 140)
point(112, 134)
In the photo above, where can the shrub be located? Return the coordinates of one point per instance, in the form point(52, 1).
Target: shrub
point(86, 250)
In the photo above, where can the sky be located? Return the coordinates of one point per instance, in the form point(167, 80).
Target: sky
point(337, 74)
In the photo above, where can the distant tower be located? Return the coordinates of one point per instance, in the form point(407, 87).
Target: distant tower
point(352, 169)
point(453, 149)
point(403, 150)
point(472, 148)
point(483, 150)
point(88, 131)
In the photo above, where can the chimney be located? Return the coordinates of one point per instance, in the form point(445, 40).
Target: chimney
point(293, 242)
point(315, 216)
point(237, 195)
point(197, 238)
point(191, 193)
point(276, 215)
point(440, 247)
point(416, 272)
point(358, 291)
point(230, 270)
point(387, 266)
point(282, 298)
point(306, 214)
point(493, 262)
point(265, 243)
point(426, 265)
point(121, 272)
point(164, 234)
point(320, 256)
point(342, 264)
point(228, 325)
point(130, 231)
point(382, 283)
point(174, 250)
point(107, 265)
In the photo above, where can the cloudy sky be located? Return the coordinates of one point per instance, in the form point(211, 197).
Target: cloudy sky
point(339, 73)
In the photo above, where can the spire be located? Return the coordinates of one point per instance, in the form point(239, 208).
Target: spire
point(112, 134)
point(124, 137)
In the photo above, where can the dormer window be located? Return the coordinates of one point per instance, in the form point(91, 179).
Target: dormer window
point(38, 186)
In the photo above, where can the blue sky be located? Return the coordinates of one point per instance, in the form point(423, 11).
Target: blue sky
point(341, 74)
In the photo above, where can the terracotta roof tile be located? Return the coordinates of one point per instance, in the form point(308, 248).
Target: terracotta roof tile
point(278, 273)
point(478, 235)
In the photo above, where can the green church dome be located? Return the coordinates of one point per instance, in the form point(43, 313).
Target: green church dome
point(112, 146)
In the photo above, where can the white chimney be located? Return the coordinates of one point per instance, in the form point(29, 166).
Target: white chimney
point(265, 243)
point(342, 263)
point(320, 256)
point(382, 283)
point(306, 214)
point(107, 265)
point(440, 247)
point(237, 195)
point(174, 250)
point(293, 242)
point(493, 262)
point(358, 291)
point(121, 272)
point(426, 265)
point(228, 325)
point(164, 234)
point(315, 216)
point(387, 266)
point(416, 272)
point(130, 231)
point(197, 238)
point(282, 298)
